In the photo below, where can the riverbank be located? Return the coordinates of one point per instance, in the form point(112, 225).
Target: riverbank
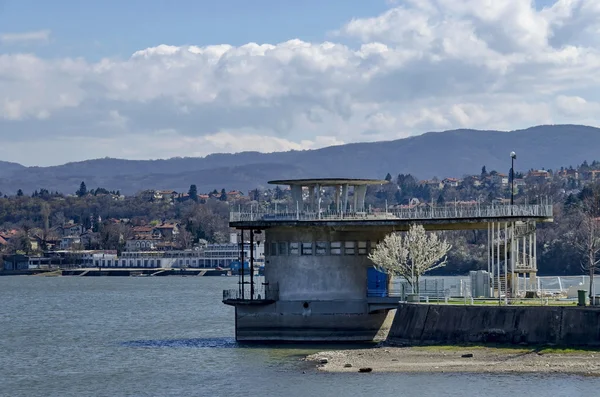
point(472, 359)
point(117, 272)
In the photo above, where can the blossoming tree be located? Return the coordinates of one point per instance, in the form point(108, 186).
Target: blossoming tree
point(411, 255)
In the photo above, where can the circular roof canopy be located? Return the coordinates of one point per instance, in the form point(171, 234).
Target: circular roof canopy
point(328, 182)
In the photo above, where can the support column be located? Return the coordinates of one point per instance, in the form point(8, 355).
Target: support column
point(535, 248)
point(251, 264)
point(242, 262)
point(297, 197)
point(355, 199)
point(337, 197)
point(505, 262)
point(318, 187)
point(498, 259)
point(361, 193)
point(491, 253)
point(534, 238)
point(344, 197)
point(514, 279)
point(311, 197)
point(488, 247)
point(524, 258)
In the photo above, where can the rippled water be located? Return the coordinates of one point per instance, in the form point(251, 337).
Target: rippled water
point(171, 336)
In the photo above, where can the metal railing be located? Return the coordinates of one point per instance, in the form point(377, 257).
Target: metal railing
point(425, 213)
point(259, 293)
point(433, 288)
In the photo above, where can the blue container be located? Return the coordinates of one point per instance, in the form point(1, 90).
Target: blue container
point(376, 283)
point(235, 265)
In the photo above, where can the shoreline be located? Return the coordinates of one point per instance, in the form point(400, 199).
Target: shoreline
point(456, 359)
point(119, 272)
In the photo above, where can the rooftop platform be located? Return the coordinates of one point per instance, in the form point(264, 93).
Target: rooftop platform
point(432, 218)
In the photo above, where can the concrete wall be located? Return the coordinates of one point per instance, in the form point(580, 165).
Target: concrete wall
point(321, 321)
point(434, 324)
point(321, 297)
point(319, 277)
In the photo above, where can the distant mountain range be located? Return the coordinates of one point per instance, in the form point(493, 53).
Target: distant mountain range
point(443, 154)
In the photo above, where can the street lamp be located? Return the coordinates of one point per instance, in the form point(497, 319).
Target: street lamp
point(513, 156)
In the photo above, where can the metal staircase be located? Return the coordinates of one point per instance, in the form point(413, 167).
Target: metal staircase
point(512, 253)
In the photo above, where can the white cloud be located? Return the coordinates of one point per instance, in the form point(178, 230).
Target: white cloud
point(37, 36)
point(422, 65)
point(159, 144)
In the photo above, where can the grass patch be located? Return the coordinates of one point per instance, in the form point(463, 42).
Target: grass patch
point(462, 348)
point(567, 350)
point(54, 273)
point(508, 349)
point(517, 302)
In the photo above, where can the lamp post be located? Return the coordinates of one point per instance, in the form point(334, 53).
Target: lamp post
point(513, 156)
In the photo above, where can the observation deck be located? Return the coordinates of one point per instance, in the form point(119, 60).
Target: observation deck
point(348, 209)
point(432, 218)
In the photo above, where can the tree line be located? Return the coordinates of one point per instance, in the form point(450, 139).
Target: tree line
point(559, 251)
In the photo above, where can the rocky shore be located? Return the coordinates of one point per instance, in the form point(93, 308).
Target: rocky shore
point(459, 359)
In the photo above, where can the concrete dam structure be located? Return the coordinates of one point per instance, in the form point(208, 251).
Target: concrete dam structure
point(316, 260)
point(416, 324)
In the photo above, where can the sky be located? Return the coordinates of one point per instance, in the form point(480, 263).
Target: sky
point(147, 79)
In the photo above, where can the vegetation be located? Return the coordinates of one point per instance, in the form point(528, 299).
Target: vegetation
point(574, 192)
point(410, 256)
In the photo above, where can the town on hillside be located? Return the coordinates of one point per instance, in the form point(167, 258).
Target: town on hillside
point(160, 228)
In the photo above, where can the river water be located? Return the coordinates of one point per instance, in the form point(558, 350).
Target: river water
point(172, 336)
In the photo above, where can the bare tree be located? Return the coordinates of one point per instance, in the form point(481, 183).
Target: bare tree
point(587, 237)
point(58, 219)
point(411, 255)
point(185, 239)
point(114, 235)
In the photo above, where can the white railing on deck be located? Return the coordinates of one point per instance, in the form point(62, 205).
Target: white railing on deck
point(470, 212)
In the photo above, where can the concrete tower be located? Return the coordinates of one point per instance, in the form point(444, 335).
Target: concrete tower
point(316, 261)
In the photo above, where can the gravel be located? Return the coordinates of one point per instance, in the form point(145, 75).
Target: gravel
point(450, 359)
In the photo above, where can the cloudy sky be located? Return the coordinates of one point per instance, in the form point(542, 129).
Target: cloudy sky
point(142, 79)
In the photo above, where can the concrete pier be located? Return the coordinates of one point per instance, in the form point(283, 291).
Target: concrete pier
point(531, 325)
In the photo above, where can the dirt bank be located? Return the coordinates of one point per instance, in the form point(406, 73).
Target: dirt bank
point(450, 359)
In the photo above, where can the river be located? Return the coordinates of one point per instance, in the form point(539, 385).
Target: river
point(172, 336)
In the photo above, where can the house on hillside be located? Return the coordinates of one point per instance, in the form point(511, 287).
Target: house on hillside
point(472, 180)
point(70, 229)
point(590, 175)
point(142, 229)
point(168, 231)
point(569, 173)
point(166, 195)
point(452, 182)
point(500, 179)
point(142, 242)
point(70, 242)
point(234, 195)
point(539, 176)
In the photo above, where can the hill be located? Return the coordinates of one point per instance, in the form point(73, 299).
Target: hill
point(7, 168)
point(443, 154)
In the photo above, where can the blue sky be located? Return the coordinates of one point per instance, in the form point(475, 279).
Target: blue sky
point(137, 79)
point(94, 29)
point(116, 28)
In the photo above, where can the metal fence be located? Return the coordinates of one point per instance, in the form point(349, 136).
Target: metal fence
point(419, 213)
point(260, 292)
point(560, 287)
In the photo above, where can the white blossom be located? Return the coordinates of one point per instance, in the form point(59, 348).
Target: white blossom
point(411, 255)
